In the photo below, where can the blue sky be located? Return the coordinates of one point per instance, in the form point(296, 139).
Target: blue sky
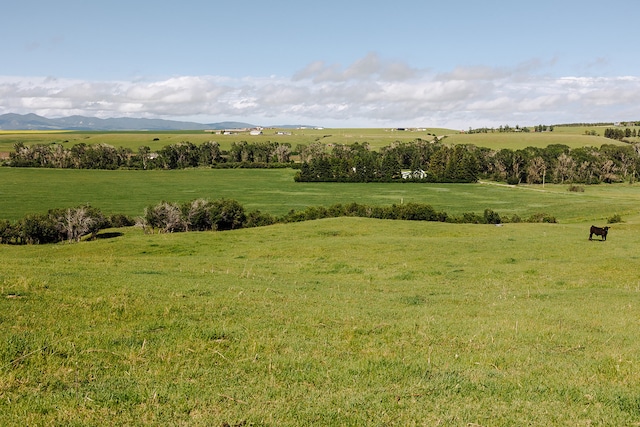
point(451, 63)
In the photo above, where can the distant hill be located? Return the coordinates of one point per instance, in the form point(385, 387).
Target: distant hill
point(34, 122)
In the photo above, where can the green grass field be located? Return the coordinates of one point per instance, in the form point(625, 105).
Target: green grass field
point(335, 322)
point(572, 136)
point(375, 137)
point(25, 191)
point(344, 321)
point(515, 141)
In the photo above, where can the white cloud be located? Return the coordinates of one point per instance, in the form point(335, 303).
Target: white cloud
point(369, 92)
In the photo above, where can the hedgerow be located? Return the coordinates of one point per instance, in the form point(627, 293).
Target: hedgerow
point(74, 224)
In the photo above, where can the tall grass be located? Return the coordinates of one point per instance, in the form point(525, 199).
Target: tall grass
point(343, 321)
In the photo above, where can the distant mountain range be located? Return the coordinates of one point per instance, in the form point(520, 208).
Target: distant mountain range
point(34, 122)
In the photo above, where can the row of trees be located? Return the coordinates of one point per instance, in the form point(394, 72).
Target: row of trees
point(507, 129)
point(420, 160)
point(357, 163)
point(174, 156)
point(619, 134)
point(73, 224)
point(437, 162)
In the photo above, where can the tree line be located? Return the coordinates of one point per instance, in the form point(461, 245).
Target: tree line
point(426, 161)
point(418, 161)
point(620, 134)
point(509, 129)
point(174, 156)
point(74, 224)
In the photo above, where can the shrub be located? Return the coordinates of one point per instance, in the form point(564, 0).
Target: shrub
point(491, 217)
point(7, 231)
point(514, 218)
point(227, 214)
point(197, 215)
point(542, 217)
point(74, 223)
point(615, 218)
point(121, 220)
point(414, 212)
point(165, 216)
point(513, 180)
point(466, 218)
point(38, 228)
point(259, 219)
point(576, 188)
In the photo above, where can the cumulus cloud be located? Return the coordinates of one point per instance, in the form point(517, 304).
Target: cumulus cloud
point(367, 68)
point(369, 92)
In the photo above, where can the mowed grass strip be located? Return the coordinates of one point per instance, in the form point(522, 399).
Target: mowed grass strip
point(25, 191)
point(343, 321)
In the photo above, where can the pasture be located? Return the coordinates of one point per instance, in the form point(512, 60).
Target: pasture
point(516, 141)
point(157, 139)
point(573, 136)
point(274, 191)
point(345, 321)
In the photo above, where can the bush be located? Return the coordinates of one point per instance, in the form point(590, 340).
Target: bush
point(542, 217)
point(165, 217)
point(7, 231)
point(513, 180)
point(121, 220)
point(576, 188)
point(259, 219)
point(227, 214)
point(466, 218)
point(414, 212)
point(491, 217)
point(615, 218)
point(197, 215)
point(514, 218)
point(38, 228)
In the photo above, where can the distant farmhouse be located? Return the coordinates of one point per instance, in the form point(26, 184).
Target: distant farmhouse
point(251, 131)
point(416, 174)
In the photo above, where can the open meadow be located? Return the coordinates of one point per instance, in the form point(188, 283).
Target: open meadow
point(36, 190)
point(572, 136)
point(342, 321)
point(376, 138)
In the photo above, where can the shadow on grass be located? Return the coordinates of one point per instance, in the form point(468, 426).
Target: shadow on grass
point(109, 235)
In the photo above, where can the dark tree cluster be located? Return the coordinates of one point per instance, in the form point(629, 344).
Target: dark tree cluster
point(59, 225)
point(620, 134)
point(424, 161)
point(175, 156)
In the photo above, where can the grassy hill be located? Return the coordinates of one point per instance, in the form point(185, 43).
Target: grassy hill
point(344, 321)
point(335, 322)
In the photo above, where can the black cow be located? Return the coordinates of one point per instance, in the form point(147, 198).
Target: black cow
point(598, 232)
